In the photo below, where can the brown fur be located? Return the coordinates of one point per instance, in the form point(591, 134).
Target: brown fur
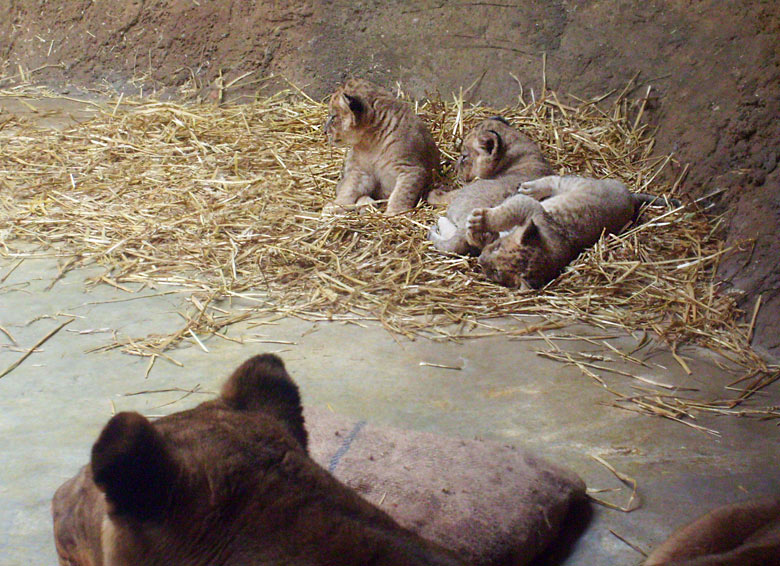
point(392, 154)
point(228, 483)
point(545, 236)
point(742, 534)
point(495, 159)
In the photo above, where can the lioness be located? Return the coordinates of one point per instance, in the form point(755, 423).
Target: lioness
point(741, 534)
point(543, 237)
point(228, 483)
point(495, 159)
point(392, 154)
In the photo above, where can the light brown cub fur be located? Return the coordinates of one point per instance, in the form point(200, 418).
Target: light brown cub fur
point(392, 154)
point(545, 236)
point(495, 159)
point(228, 483)
point(741, 534)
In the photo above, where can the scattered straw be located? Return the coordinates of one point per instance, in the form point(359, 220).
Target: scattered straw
point(225, 201)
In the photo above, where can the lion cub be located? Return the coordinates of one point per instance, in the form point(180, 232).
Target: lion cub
point(741, 534)
point(495, 159)
point(391, 154)
point(545, 236)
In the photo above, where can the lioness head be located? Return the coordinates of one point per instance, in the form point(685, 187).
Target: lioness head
point(483, 149)
point(228, 483)
point(518, 259)
point(183, 490)
point(351, 110)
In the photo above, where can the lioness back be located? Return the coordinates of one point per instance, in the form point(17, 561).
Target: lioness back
point(740, 534)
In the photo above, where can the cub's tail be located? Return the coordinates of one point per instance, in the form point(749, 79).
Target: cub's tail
point(643, 199)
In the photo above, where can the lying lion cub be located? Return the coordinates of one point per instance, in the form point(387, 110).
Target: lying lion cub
point(543, 237)
point(742, 534)
point(228, 483)
point(495, 159)
point(392, 154)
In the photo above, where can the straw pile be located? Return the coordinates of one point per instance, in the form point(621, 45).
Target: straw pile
point(226, 201)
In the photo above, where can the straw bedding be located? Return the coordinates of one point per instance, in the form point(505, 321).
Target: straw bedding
point(225, 201)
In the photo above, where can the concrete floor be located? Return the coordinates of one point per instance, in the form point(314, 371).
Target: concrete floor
point(54, 404)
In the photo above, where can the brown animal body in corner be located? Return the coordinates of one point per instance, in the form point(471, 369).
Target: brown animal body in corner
point(228, 483)
point(391, 154)
point(529, 238)
point(741, 534)
point(495, 159)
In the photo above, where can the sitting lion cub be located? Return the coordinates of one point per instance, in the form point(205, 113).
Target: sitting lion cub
point(392, 154)
point(545, 236)
point(228, 483)
point(495, 159)
point(741, 534)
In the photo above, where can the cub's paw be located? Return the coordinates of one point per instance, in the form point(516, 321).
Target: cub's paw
point(333, 209)
point(477, 232)
point(539, 189)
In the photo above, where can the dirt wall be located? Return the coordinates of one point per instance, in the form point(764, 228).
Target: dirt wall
point(714, 67)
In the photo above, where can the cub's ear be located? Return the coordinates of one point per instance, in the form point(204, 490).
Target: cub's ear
point(500, 119)
point(355, 104)
point(490, 142)
point(530, 233)
point(262, 384)
point(133, 467)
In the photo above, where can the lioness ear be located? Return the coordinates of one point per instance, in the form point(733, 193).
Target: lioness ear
point(490, 142)
point(530, 233)
point(355, 105)
point(262, 384)
point(133, 467)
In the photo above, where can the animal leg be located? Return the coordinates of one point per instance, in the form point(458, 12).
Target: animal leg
point(484, 224)
point(354, 185)
point(408, 188)
point(542, 188)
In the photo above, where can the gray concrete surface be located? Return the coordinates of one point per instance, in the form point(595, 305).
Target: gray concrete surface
point(54, 404)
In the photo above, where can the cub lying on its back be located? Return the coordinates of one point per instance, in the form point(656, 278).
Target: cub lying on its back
point(228, 483)
point(545, 236)
point(495, 159)
point(392, 154)
point(741, 534)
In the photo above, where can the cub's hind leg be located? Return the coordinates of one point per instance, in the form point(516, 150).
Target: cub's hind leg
point(484, 224)
point(409, 185)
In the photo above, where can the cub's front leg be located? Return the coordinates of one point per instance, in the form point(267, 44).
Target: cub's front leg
point(542, 188)
point(355, 187)
point(484, 224)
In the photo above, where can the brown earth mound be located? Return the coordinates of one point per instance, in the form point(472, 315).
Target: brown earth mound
point(713, 65)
